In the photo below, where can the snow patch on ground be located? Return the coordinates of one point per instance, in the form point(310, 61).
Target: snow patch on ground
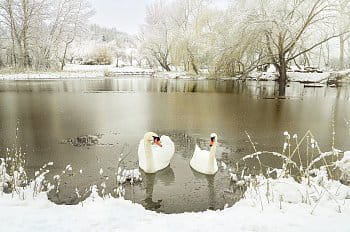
point(344, 165)
point(80, 72)
point(75, 71)
point(308, 77)
point(103, 68)
point(292, 76)
point(263, 76)
point(179, 75)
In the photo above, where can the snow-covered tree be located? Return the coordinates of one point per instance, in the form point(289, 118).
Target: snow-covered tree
point(39, 32)
point(156, 35)
point(292, 29)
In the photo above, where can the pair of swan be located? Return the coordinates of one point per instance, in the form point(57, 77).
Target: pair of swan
point(155, 154)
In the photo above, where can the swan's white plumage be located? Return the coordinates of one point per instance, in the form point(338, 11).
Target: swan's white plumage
point(203, 162)
point(160, 157)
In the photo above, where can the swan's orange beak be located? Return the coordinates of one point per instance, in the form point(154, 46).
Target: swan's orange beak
point(212, 141)
point(157, 142)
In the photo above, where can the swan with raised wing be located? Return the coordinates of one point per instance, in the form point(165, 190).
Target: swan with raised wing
point(155, 152)
point(205, 161)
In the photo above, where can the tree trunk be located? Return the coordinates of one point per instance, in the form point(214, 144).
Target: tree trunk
point(341, 54)
point(192, 61)
point(194, 67)
point(63, 62)
point(13, 33)
point(164, 65)
point(26, 58)
point(282, 70)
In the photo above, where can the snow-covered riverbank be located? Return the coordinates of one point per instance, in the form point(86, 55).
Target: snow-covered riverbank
point(72, 71)
point(118, 215)
point(272, 202)
point(99, 72)
point(80, 72)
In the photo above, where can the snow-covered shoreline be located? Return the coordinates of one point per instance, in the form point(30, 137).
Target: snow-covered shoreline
point(80, 72)
point(272, 202)
point(120, 215)
point(72, 71)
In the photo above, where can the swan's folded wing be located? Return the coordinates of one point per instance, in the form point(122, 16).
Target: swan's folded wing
point(199, 160)
point(196, 157)
point(168, 145)
point(164, 154)
point(197, 149)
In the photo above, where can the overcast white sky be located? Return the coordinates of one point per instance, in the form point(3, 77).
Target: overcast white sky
point(125, 15)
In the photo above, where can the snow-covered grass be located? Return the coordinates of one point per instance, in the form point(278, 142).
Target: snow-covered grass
point(52, 75)
point(75, 71)
point(72, 71)
point(104, 68)
point(306, 177)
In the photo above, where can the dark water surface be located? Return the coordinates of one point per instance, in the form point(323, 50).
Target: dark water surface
point(122, 110)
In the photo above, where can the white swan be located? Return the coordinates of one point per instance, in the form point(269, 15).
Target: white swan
point(155, 153)
point(205, 161)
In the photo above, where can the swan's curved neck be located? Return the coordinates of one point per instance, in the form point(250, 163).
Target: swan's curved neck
point(148, 154)
point(212, 156)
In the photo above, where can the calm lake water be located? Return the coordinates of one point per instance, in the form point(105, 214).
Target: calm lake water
point(122, 110)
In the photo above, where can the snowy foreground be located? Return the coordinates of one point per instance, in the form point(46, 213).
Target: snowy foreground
point(316, 203)
point(250, 214)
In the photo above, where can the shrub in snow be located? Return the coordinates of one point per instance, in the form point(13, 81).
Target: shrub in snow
point(344, 166)
point(314, 191)
point(313, 184)
point(233, 177)
point(40, 183)
point(100, 56)
point(132, 176)
point(14, 179)
point(5, 178)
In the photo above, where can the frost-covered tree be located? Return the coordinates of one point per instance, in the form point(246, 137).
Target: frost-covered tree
point(239, 46)
point(39, 32)
point(121, 45)
point(177, 33)
point(190, 20)
point(156, 35)
point(22, 19)
point(343, 22)
point(70, 22)
point(292, 29)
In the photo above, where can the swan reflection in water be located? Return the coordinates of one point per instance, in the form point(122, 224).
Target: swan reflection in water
point(166, 177)
point(210, 181)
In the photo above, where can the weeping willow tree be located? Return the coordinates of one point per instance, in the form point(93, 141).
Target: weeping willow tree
point(194, 35)
point(191, 22)
point(292, 29)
